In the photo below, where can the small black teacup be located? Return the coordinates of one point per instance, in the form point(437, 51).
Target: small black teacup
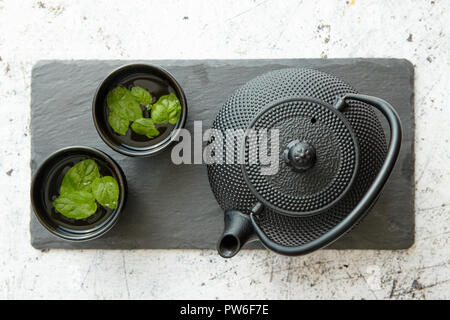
point(46, 188)
point(152, 80)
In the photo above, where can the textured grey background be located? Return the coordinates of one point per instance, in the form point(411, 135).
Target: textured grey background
point(61, 116)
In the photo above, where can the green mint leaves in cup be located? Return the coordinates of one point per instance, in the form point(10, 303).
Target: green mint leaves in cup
point(145, 126)
point(166, 110)
point(125, 106)
point(81, 187)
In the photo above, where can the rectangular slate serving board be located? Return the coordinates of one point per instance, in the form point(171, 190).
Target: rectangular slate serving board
point(183, 213)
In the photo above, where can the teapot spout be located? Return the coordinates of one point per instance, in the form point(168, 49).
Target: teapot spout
point(237, 231)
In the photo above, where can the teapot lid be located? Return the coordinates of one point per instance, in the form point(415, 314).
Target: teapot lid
point(318, 156)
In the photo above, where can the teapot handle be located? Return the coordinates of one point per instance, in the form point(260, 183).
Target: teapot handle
point(367, 200)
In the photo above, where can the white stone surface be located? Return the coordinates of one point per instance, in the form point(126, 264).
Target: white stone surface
point(416, 30)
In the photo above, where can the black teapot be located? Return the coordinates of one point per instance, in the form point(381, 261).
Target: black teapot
point(332, 159)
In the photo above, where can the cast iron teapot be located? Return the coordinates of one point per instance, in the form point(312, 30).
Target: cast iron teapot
point(333, 161)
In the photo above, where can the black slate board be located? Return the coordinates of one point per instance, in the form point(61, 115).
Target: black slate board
point(61, 97)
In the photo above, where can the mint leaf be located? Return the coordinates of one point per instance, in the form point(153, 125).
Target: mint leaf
point(118, 124)
point(115, 95)
point(159, 113)
point(174, 108)
point(106, 191)
point(121, 102)
point(76, 204)
point(127, 108)
point(80, 176)
point(166, 110)
point(141, 95)
point(146, 127)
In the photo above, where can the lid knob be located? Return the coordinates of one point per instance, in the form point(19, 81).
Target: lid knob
point(299, 155)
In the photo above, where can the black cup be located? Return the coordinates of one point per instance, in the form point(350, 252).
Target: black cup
point(159, 82)
point(45, 188)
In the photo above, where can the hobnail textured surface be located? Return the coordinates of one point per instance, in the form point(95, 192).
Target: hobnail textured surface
point(314, 189)
point(227, 181)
